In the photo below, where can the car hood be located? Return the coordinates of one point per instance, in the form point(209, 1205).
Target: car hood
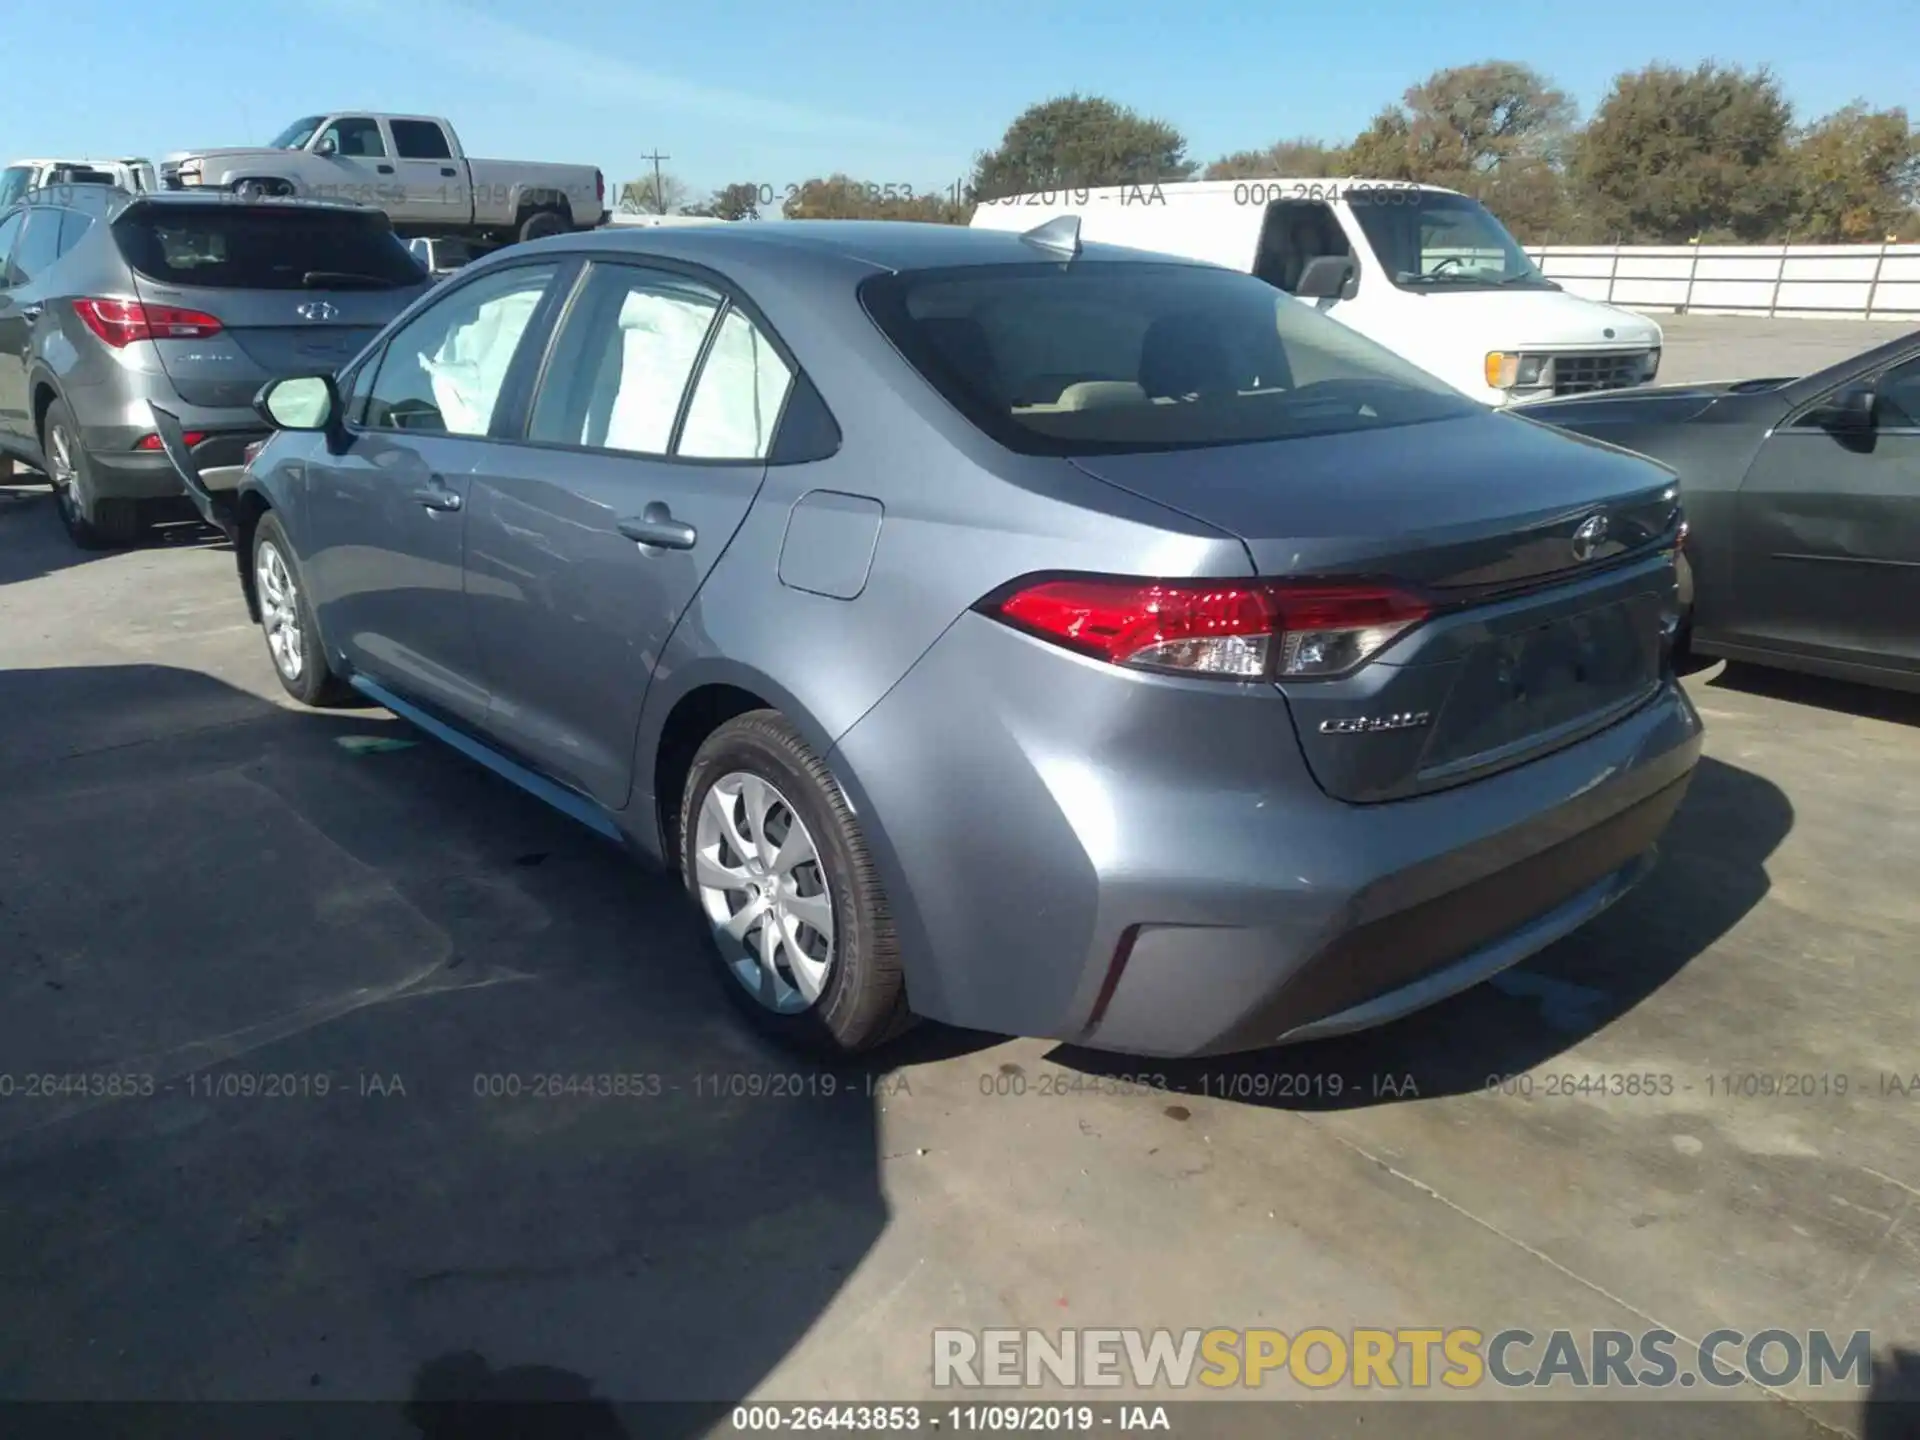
point(1641, 405)
point(1548, 319)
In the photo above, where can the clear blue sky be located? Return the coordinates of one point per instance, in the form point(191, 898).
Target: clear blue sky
point(774, 91)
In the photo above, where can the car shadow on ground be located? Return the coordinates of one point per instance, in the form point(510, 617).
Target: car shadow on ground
point(356, 1065)
point(1711, 873)
point(33, 544)
point(1791, 687)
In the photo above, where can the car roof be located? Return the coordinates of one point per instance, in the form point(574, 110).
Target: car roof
point(894, 245)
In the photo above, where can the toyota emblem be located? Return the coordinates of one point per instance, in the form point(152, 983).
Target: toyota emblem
point(316, 310)
point(1588, 537)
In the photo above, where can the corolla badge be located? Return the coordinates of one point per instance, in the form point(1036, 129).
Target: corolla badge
point(1589, 537)
point(316, 310)
point(1371, 724)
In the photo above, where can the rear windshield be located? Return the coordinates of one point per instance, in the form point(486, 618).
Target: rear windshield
point(15, 181)
point(264, 248)
point(1097, 357)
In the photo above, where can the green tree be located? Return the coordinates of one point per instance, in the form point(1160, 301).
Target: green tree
point(1857, 171)
point(644, 197)
point(1080, 140)
point(1676, 155)
point(841, 197)
point(739, 201)
point(1466, 121)
point(1301, 159)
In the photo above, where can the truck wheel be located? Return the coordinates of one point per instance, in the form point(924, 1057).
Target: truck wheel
point(540, 224)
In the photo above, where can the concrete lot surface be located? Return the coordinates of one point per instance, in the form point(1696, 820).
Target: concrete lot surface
point(1721, 347)
point(239, 904)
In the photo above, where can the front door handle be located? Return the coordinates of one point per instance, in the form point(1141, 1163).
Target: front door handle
point(384, 169)
point(448, 170)
point(436, 496)
point(656, 527)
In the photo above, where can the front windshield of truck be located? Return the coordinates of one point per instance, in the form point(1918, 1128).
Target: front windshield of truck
point(296, 135)
point(1429, 239)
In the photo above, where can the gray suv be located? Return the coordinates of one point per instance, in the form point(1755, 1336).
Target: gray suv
point(110, 300)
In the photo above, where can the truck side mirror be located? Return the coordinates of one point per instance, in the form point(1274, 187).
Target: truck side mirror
point(325, 145)
point(1328, 277)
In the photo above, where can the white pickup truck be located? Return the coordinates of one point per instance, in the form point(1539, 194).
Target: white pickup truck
point(412, 167)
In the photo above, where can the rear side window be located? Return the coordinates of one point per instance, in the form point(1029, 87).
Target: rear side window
point(419, 140)
point(39, 246)
point(265, 247)
point(73, 228)
point(1096, 357)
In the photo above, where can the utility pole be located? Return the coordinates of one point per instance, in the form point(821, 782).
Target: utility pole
point(659, 195)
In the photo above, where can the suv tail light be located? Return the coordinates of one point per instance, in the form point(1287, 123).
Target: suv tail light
point(121, 322)
point(1233, 629)
point(152, 442)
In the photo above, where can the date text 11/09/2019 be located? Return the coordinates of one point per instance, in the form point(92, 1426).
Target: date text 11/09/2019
point(884, 1419)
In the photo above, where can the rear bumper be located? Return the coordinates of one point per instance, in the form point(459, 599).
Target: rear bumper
point(1145, 865)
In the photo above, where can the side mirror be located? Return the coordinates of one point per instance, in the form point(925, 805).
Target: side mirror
point(1851, 409)
point(325, 146)
point(299, 402)
point(1328, 277)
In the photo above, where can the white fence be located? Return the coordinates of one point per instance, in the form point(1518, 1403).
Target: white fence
point(1853, 282)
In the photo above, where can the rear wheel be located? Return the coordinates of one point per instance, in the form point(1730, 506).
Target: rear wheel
point(774, 858)
point(92, 522)
point(542, 223)
point(286, 619)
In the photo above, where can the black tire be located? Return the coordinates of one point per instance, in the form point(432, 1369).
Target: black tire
point(92, 522)
point(314, 682)
point(542, 223)
point(863, 1002)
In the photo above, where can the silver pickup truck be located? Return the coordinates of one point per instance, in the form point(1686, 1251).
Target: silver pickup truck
point(412, 167)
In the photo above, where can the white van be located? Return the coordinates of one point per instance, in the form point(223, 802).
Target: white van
point(130, 173)
point(1426, 272)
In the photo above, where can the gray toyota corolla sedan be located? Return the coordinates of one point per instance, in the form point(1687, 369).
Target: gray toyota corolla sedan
point(1048, 639)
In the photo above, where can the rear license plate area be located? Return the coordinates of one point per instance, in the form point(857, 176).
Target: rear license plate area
point(1544, 681)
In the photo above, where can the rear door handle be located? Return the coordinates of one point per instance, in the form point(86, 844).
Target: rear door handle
point(657, 527)
point(436, 496)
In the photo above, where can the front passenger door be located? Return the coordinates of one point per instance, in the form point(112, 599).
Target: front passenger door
point(363, 171)
point(645, 447)
point(16, 333)
point(1827, 528)
point(384, 541)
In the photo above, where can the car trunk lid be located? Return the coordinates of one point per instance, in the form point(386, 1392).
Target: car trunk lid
point(1546, 560)
point(295, 290)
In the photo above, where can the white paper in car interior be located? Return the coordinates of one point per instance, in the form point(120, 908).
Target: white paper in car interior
point(472, 364)
point(741, 388)
point(660, 337)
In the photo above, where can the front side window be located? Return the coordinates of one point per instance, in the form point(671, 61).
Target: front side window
point(1427, 239)
point(444, 372)
point(356, 137)
point(1097, 357)
point(1898, 392)
point(620, 368)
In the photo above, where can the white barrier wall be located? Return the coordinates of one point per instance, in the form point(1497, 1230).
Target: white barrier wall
point(1856, 282)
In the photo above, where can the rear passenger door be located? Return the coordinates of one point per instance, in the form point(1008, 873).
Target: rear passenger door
point(435, 184)
point(644, 446)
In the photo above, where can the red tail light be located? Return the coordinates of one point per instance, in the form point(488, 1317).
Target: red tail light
point(1236, 629)
point(121, 322)
point(152, 442)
